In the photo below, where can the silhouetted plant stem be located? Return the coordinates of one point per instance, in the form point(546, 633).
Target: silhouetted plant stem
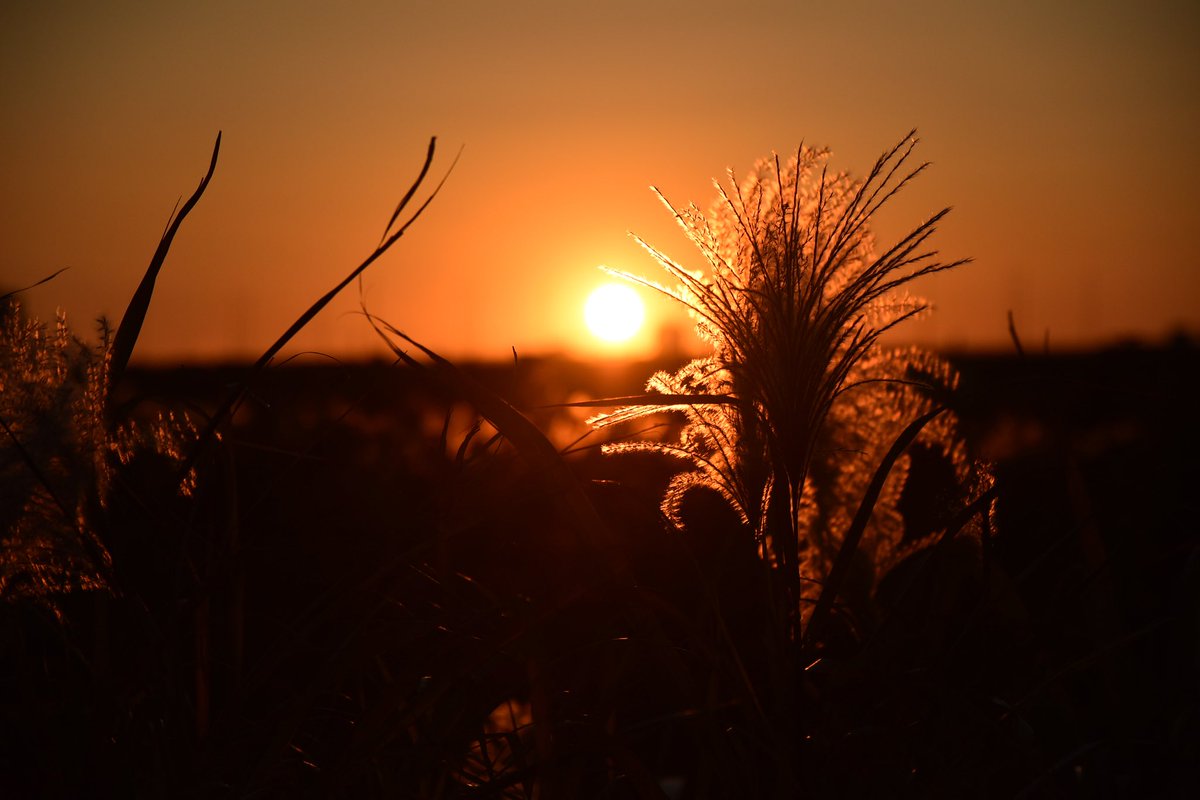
point(135, 313)
point(390, 237)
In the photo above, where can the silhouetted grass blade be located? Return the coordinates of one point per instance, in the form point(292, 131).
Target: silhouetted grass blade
point(235, 397)
point(46, 279)
point(135, 314)
point(841, 565)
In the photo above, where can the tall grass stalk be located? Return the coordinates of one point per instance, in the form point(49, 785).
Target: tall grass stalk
point(798, 403)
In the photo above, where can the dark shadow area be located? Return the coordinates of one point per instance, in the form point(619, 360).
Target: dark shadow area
point(371, 595)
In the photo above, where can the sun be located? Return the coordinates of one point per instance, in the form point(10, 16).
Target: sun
point(614, 312)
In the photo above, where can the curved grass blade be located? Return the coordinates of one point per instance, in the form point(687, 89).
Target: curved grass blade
point(538, 451)
point(234, 399)
point(135, 314)
point(652, 399)
point(412, 189)
point(49, 277)
point(845, 556)
point(383, 247)
point(978, 506)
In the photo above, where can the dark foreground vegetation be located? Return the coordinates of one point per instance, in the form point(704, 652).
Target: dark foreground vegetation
point(804, 566)
point(370, 604)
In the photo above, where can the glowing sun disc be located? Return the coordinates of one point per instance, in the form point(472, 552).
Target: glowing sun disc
point(614, 312)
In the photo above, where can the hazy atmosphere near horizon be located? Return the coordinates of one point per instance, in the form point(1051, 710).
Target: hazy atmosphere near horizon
point(1064, 135)
point(399, 442)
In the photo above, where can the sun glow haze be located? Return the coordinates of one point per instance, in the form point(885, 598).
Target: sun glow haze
point(614, 312)
point(112, 117)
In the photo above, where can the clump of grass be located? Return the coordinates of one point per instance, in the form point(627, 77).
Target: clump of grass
point(793, 416)
point(59, 456)
point(469, 643)
point(63, 437)
point(53, 458)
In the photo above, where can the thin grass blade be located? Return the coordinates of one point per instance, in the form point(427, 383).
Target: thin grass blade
point(135, 314)
point(538, 451)
point(231, 402)
point(49, 277)
point(845, 556)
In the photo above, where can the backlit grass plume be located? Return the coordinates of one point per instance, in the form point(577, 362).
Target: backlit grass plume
point(793, 412)
point(52, 458)
point(58, 456)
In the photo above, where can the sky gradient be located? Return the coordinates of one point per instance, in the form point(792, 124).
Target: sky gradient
point(1064, 135)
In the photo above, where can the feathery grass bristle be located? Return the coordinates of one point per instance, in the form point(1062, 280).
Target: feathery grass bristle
point(805, 400)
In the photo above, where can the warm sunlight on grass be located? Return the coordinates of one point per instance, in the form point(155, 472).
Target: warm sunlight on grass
point(792, 562)
point(614, 312)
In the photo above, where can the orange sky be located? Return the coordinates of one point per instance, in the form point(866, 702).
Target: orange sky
point(1064, 134)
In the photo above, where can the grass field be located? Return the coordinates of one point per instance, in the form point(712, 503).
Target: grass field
point(927, 577)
